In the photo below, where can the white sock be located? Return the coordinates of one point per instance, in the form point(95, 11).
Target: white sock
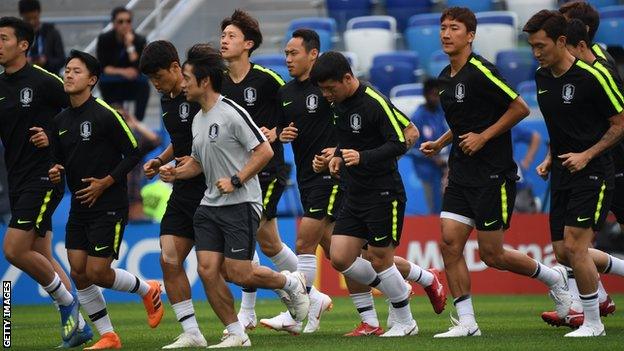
point(128, 282)
point(366, 308)
point(602, 293)
point(615, 266)
point(58, 291)
point(285, 260)
point(422, 277)
point(185, 314)
point(573, 289)
point(362, 272)
point(546, 275)
point(236, 328)
point(94, 304)
point(590, 309)
point(393, 286)
point(465, 311)
point(306, 264)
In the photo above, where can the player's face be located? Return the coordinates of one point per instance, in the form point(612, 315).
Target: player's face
point(10, 47)
point(233, 43)
point(298, 60)
point(546, 51)
point(165, 80)
point(335, 91)
point(454, 36)
point(190, 86)
point(77, 77)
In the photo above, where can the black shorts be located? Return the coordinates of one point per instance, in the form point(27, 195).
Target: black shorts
point(33, 207)
point(583, 207)
point(487, 208)
point(99, 233)
point(230, 230)
point(379, 223)
point(178, 217)
point(272, 186)
point(617, 202)
point(321, 201)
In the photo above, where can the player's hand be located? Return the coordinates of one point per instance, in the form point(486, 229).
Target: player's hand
point(289, 133)
point(224, 185)
point(471, 143)
point(351, 157)
point(167, 173)
point(129, 38)
point(181, 161)
point(55, 173)
point(270, 134)
point(321, 162)
point(544, 168)
point(150, 168)
point(39, 137)
point(430, 148)
point(574, 162)
point(89, 195)
point(334, 167)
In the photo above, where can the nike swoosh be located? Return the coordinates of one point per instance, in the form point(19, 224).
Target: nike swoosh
point(471, 333)
point(312, 210)
point(61, 132)
point(164, 114)
point(100, 248)
point(19, 221)
point(2, 98)
point(286, 103)
point(487, 224)
point(237, 250)
point(380, 239)
point(579, 219)
point(441, 91)
point(540, 92)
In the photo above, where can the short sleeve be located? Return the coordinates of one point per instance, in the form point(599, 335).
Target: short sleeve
point(246, 131)
point(605, 100)
point(492, 85)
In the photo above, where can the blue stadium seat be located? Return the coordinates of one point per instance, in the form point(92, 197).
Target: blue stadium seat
point(437, 62)
point(516, 65)
point(416, 204)
point(402, 10)
point(326, 29)
point(407, 97)
point(537, 183)
point(290, 202)
point(423, 36)
point(369, 36)
point(474, 5)
point(391, 69)
point(275, 62)
point(528, 91)
point(496, 31)
point(611, 26)
point(604, 3)
point(344, 10)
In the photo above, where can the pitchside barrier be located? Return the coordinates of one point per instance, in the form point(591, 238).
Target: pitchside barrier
point(139, 254)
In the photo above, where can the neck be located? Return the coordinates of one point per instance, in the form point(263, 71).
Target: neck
point(459, 59)
point(15, 65)
point(177, 88)
point(563, 64)
point(305, 75)
point(354, 87)
point(239, 67)
point(588, 56)
point(80, 98)
point(208, 100)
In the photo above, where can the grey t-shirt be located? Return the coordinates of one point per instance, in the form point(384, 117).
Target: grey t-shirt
point(223, 140)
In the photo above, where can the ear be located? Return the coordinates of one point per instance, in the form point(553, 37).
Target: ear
point(561, 41)
point(205, 83)
point(471, 37)
point(92, 81)
point(248, 44)
point(23, 45)
point(174, 66)
point(314, 53)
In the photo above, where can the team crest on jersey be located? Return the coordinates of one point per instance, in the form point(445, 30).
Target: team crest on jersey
point(85, 130)
point(312, 102)
point(460, 92)
point(26, 96)
point(356, 122)
point(568, 93)
point(213, 131)
point(250, 95)
point(185, 110)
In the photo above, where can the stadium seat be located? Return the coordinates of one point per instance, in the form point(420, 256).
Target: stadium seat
point(416, 204)
point(611, 26)
point(527, 8)
point(474, 5)
point(344, 10)
point(516, 65)
point(528, 91)
point(391, 69)
point(496, 31)
point(603, 3)
point(437, 62)
point(402, 10)
point(326, 28)
point(368, 36)
point(275, 62)
point(423, 35)
point(407, 97)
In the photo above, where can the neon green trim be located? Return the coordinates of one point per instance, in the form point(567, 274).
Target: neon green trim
point(43, 208)
point(598, 51)
point(386, 108)
point(332, 199)
point(401, 118)
point(395, 219)
point(271, 73)
point(268, 194)
point(599, 66)
point(117, 235)
point(512, 94)
point(121, 121)
point(599, 204)
point(48, 72)
point(602, 82)
point(504, 213)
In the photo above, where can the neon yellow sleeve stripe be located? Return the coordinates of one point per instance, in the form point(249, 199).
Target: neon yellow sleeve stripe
point(48, 72)
point(598, 51)
point(599, 66)
point(499, 83)
point(603, 82)
point(402, 118)
point(271, 73)
point(121, 121)
point(389, 113)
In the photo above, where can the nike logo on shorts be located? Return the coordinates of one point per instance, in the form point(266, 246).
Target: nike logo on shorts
point(487, 224)
point(237, 250)
point(97, 248)
point(313, 210)
point(579, 219)
point(380, 238)
point(286, 103)
point(19, 221)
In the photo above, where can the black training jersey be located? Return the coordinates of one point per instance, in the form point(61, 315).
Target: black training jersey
point(603, 54)
point(178, 117)
point(367, 122)
point(93, 140)
point(30, 97)
point(576, 107)
point(257, 93)
point(473, 100)
point(304, 105)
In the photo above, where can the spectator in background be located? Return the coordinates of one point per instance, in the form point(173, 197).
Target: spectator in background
point(429, 118)
point(47, 50)
point(119, 52)
point(525, 199)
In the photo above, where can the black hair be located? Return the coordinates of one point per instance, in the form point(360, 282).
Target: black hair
point(207, 62)
point(157, 55)
point(26, 6)
point(462, 15)
point(23, 30)
point(117, 10)
point(93, 65)
point(430, 84)
point(577, 33)
point(332, 65)
point(585, 12)
point(247, 24)
point(552, 22)
point(309, 37)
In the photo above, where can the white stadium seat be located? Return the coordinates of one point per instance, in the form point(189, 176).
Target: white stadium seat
point(370, 35)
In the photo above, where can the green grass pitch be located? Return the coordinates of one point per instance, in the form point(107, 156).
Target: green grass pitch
point(507, 323)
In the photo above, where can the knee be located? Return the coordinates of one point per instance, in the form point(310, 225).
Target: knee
point(207, 272)
point(240, 277)
point(492, 258)
point(268, 246)
point(449, 248)
point(11, 254)
point(561, 256)
point(340, 263)
point(78, 275)
point(169, 263)
point(98, 275)
point(572, 249)
point(303, 247)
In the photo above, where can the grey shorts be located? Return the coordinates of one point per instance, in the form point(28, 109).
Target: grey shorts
point(230, 230)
